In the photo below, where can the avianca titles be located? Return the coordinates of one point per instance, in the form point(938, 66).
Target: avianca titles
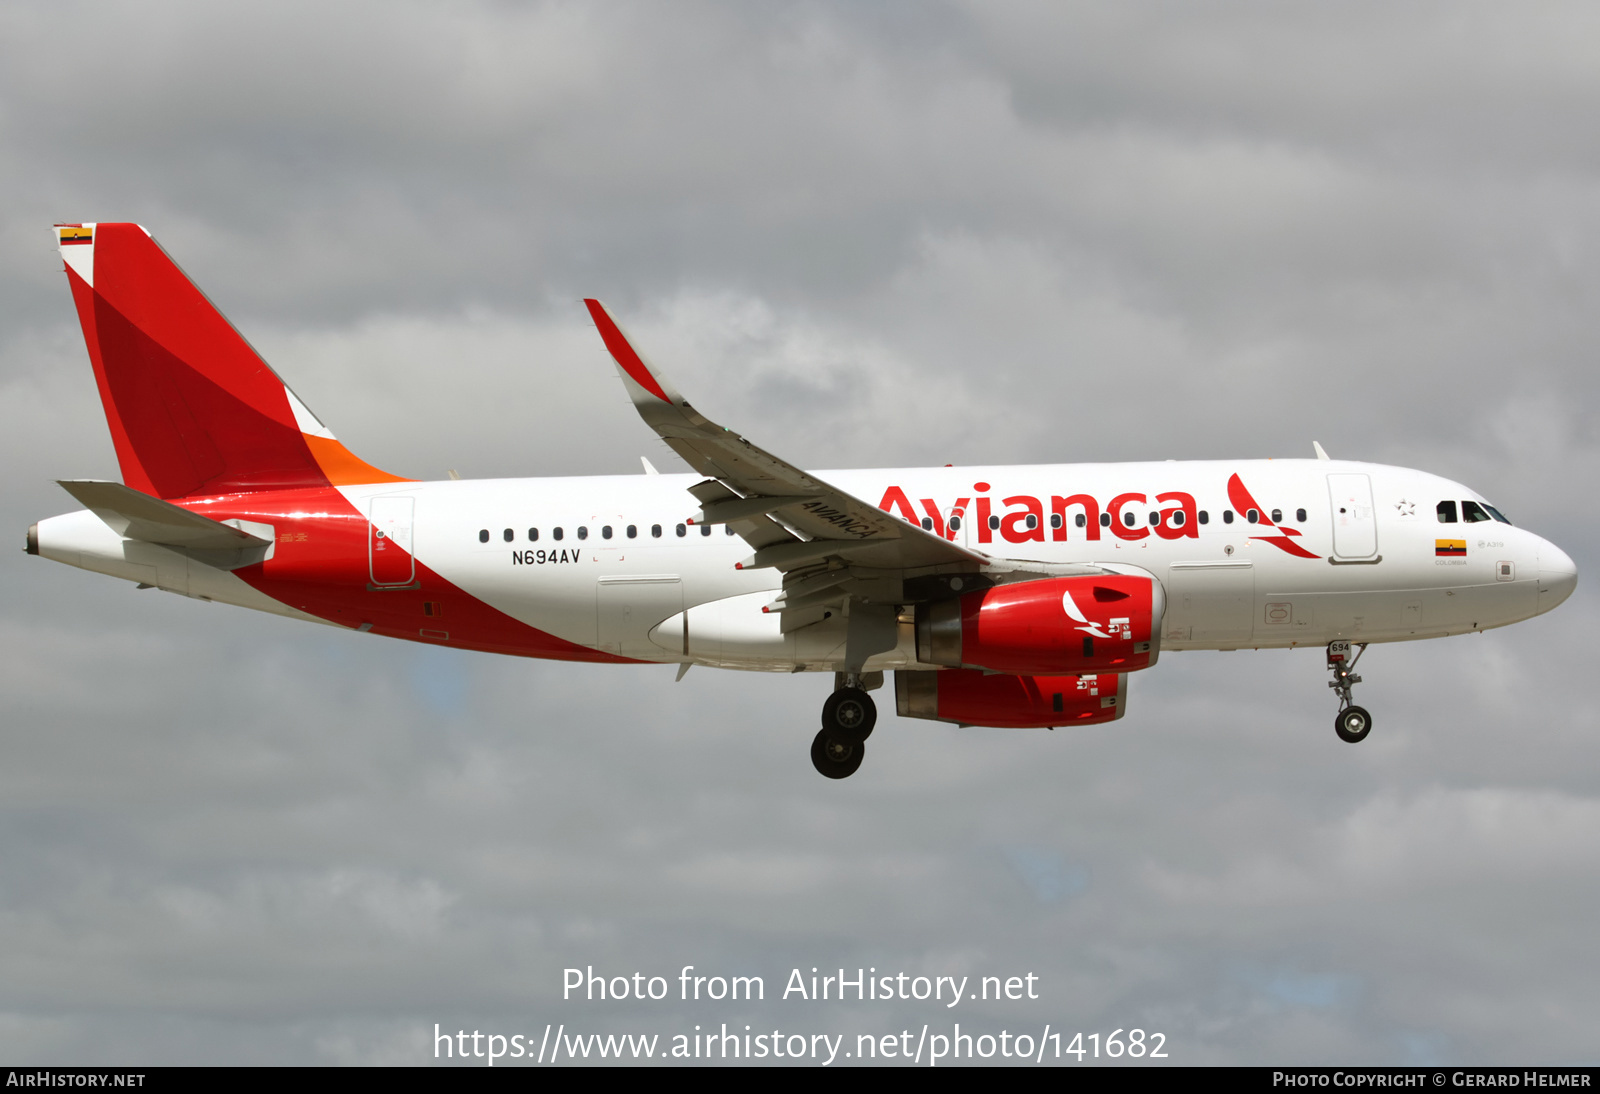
point(998, 596)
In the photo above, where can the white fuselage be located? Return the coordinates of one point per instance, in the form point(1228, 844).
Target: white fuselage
point(1380, 571)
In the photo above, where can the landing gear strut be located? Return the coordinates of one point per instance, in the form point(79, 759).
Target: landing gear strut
point(1353, 723)
point(847, 720)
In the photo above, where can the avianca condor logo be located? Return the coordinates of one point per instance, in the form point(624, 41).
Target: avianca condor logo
point(1176, 516)
point(1120, 628)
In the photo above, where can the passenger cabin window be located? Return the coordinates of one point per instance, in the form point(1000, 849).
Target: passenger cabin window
point(655, 530)
point(705, 529)
point(955, 523)
point(1033, 521)
point(533, 535)
point(1105, 520)
point(1155, 519)
point(927, 524)
point(1205, 517)
point(994, 523)
point(1300, 515)
point(1055, 520)
point(1472, 513)
point(1128, 519)
point(557, 532)
point(483, 535)
point(1277, 516)
point(583, 531)
point(727, 529)
point(1447, 512)
point(1252, 516)
point(1081, 521)
point(1177, 519)
point(633, 530)
point(605, 532)
point(508, 535)
point(1227, 516)
point(682, 531)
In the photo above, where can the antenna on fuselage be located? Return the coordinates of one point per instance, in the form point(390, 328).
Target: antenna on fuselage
point(1321, 455)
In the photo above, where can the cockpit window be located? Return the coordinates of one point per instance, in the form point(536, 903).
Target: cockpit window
point(1472, 513)
point(1447, 512)
point(1496, 514)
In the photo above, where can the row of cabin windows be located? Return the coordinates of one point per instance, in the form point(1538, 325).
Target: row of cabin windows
point(1471, 513)
point(1129, 519)
point(606, 532)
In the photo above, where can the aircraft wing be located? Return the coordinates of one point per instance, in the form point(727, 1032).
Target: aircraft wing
point(796, 522)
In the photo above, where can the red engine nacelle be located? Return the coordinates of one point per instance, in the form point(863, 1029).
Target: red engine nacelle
point(971, 697)
point(1108, 623)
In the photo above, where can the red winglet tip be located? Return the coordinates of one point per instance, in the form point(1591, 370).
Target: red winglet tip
point(621, 351)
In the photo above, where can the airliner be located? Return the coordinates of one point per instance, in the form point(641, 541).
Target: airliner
point(1003, 596)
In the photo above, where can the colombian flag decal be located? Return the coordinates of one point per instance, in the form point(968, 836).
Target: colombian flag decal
point(1450, 548)
point(77, 235)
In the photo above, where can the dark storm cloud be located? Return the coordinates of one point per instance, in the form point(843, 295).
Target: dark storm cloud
point(898, 235)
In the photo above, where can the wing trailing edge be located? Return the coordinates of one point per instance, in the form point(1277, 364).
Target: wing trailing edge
point(835, 551)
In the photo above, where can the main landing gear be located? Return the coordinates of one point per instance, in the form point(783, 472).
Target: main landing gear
point(1353, 723)
point(847, 720)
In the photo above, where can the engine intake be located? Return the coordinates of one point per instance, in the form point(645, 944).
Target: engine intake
point(971, 697)
point(1104, 623)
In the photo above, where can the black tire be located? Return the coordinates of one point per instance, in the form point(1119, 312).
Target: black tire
point(834, 758)
point(849, 715)
point(1353, 724)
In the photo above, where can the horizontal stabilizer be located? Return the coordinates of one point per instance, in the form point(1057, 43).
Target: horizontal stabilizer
point(135, 515)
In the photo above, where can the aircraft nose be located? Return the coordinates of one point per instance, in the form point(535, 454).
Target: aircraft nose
point(1558, 576)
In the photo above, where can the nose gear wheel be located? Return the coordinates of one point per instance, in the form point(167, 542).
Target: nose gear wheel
point(1353, 724)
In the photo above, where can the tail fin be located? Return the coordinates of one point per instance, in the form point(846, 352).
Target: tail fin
point(193, 409)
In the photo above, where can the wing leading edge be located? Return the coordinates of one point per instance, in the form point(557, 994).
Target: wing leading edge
point(830, 545)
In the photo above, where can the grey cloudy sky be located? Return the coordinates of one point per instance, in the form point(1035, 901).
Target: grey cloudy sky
point(866, 235)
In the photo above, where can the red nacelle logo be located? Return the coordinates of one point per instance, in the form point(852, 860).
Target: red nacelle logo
point(1053, 625)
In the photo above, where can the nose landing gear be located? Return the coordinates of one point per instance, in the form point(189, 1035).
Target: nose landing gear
point(847, 721)
point(1353, 723)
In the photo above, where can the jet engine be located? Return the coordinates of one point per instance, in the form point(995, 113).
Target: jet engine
point(971, 697)
point(1089, 624)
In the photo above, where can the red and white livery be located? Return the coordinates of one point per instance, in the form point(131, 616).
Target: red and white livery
point(999, 596)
